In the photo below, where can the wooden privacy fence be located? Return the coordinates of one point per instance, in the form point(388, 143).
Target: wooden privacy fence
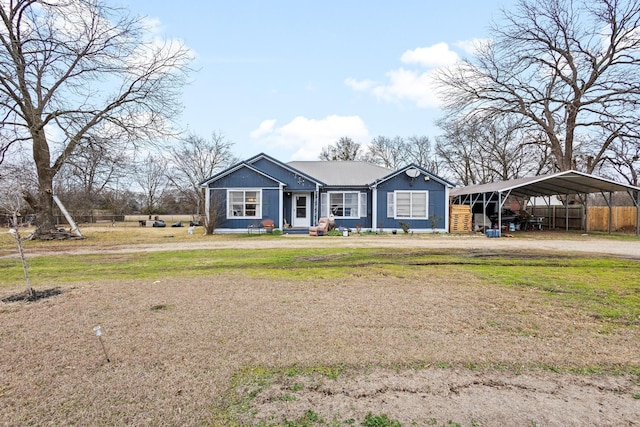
point(623, 217)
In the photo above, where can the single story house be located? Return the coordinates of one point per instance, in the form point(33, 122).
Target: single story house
point(296, 194)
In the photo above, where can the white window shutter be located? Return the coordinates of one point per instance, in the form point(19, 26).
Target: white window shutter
point(390, 208)
point(323, 204)
point(363, 205)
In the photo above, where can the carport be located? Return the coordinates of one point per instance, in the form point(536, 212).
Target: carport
point(565, 184)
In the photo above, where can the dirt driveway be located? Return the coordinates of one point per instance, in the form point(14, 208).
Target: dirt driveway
point(541, 243)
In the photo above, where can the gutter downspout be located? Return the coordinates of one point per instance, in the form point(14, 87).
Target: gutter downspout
point(281, 207)
point(374, 208)
point(316, 205)
point(446, 209)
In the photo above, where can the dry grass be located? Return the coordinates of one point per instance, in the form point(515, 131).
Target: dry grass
point(105, 237)
point(175, 345)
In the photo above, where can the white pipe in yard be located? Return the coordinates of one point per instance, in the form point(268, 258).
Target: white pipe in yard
point(74, 228)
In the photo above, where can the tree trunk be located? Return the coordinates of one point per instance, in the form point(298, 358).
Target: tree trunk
point(44, 210)
point(42, 202)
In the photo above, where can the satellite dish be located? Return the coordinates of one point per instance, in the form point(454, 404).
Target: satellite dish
point(412, 173)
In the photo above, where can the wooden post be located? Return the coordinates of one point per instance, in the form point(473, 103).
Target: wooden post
point(586, 213)
point(637, 202)
point(610, 212)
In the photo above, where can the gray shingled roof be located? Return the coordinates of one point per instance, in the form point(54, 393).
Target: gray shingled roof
point(342, 173)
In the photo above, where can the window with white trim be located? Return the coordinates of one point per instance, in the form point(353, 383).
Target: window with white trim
point(244, 204)
point(347, 204)
point(408, 204)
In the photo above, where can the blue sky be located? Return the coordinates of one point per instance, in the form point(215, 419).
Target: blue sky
point(289, 77)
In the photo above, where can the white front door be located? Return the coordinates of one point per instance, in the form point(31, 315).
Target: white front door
point(300, 215)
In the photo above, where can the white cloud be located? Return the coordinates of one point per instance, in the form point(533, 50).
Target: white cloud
point(265, 128)
point(359, 85)
point(153, 26)
point(305, 137)
point(409, 85)
point(416, 85)
point(627, 40)
point(437, 55)
point(472, 46)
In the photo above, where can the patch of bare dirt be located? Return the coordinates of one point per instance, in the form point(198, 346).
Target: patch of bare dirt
point(452, 396)
point(175, 345)
point(33, 296)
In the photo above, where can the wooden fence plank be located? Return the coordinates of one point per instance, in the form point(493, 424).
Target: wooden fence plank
point(624, 217)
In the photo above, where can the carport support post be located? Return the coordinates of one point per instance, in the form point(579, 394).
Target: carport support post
point(637, 202)
point(610, 212)
point(586, 213)
point(484, 212)
point(500, 213)
point(566, 212)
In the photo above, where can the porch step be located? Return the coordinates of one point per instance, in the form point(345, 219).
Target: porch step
point(296, 230)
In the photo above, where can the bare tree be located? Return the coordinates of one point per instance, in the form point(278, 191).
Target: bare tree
point(195, 159)
point(76, 69)
point(12, 203)
point(94, 170)
point(507, 153)
point(217, 210)
point(345, 149)
point(477, 152)
point(398, 151)
point(625, 160)
point(5, 145)
point(151, 176)
point(387, 152)
point(461, 154)
point(565, 67)
point(419, 151)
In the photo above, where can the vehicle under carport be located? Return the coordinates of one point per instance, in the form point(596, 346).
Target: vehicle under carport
point(563, 184)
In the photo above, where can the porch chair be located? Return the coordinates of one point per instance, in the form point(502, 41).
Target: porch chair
point(268, 225)
point(321, 229)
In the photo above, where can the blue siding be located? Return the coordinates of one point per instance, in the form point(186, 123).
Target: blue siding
point(270, 199)
point(245, 178)
point(437, 202)
point(277, 183)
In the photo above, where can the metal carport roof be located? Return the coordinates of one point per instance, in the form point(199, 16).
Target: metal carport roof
point(562, 183)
